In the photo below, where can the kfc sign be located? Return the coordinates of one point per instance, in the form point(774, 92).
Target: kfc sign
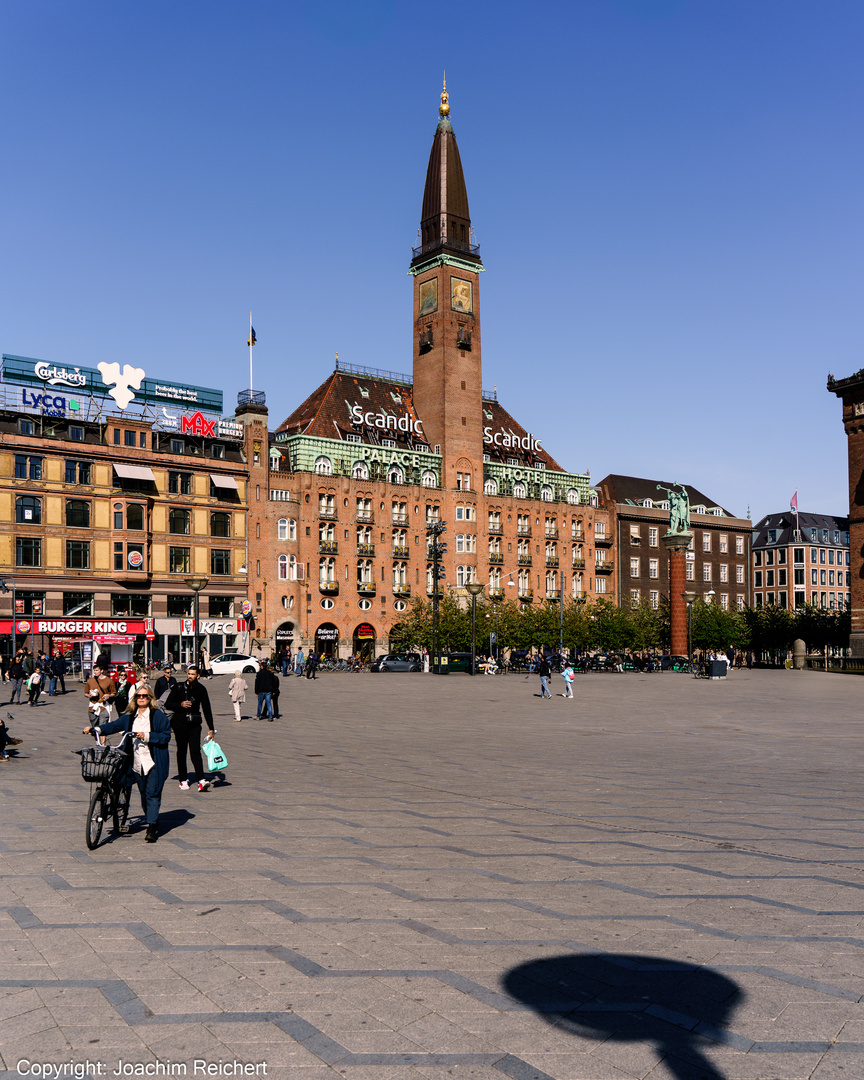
point(198, 424)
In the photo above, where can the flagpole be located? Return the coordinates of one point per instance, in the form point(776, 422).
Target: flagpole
point(250, 353)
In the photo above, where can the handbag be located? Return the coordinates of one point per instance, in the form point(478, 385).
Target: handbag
point(216, 759)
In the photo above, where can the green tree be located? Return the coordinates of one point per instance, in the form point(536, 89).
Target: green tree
point(715, 628)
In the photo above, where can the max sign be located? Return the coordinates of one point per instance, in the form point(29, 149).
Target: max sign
point(198, 424)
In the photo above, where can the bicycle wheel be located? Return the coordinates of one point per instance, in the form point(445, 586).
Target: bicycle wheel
point(95, 817)
point(121, 807)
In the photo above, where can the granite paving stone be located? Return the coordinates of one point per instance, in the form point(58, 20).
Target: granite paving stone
point(680, 863)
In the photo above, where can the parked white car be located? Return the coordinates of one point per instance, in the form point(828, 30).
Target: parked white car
point(228, 663)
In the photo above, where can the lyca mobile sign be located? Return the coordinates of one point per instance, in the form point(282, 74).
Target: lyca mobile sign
point(124, 384)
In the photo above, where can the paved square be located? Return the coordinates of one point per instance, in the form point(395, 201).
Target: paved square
point(411, 876)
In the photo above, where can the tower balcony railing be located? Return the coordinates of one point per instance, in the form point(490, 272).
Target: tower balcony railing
point(553, 594)
point(401, 551)
point(446, 241)
point(366, 588)
point(329, 586)
point(578, 536)
point(496, 558)
point(328, 547)
point(551, 532)
point(523, 530)
point(327, 513)
point(603, 567)
point(399, 519)
point(526, 595)
point(552, 561)
point(365, 549)
point(579, 564)
point(524, 560)
point(401, 590)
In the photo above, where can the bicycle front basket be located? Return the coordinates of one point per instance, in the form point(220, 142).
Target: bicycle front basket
point(101, 763)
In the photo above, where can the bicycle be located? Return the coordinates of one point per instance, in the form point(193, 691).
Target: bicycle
point(105, 767)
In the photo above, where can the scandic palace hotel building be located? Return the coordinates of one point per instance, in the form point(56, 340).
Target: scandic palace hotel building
point(315, 530)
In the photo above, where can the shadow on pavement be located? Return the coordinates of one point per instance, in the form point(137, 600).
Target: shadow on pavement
point(627, 998)
point(173, 819)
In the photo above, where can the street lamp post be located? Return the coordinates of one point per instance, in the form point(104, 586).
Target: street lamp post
point(689, 597)
point(5, 589)
point(475, 588)
point(196, 584)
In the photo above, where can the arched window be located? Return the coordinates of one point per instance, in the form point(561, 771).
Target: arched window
point(495, 577)
point(490, 487)
point(135, 517)
point(460, 575)
point(275, 458)
point(519, 490)
point(323, 466)
point(430, 480)
point(28, 510)
point(327, 570)
point(551, 581)
point(220, 524)
point(292, 529)
point(573, 496)
point(546, 493)
point(360, 470)
point(460, 542)
point(577, 585)
point(179, 521)
point(77, 514)
point(395, 475)
point(283, 567)
point(282, 529)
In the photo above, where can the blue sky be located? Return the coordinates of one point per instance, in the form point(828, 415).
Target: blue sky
point(666, 194)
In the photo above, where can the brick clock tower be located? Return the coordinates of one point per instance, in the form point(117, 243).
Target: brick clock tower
point(446, 268)
point(851, 393)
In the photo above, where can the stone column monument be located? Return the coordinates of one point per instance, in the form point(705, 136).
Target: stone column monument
point(677, 540)
point(851, 393)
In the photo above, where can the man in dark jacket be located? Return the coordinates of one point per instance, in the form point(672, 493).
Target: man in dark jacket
point(264, 690)
point(185, 703)
point(164, 683)
point(544, 671)
point(57, 670)
point(16, 679)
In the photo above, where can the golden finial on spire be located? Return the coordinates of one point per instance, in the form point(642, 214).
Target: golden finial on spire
point(444, 108)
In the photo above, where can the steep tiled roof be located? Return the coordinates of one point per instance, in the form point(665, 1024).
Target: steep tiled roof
point(632, 489)
point(497, 419)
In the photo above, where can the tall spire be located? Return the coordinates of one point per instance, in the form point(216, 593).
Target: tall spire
point(445, 221)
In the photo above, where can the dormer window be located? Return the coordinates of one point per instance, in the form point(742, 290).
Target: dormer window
point(363, 391)
point(396, 397)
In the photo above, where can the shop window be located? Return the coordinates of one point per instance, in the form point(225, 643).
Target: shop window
point(29, 603)
point(132, 605)
point(78, 603)
point(220, 607)
point(129, 438)
point(179, 607)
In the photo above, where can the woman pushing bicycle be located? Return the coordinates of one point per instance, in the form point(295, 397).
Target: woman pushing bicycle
point(151, 733)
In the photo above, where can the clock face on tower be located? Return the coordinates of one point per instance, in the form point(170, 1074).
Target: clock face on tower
point(460, 295)
point(428, 296)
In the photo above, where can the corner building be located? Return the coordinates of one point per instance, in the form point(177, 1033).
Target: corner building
point(355, 474)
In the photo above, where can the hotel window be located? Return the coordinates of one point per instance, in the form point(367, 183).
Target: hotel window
point(831, 577)
point(814, 577)
point(78, 554)
point(635, 534)
point(28, 510)
point(327, 571)
point(600, 528)
point(830, 558)
point(360, 470)
point(781, 599)
point(798, 555)
point(757, 558)
point(28, 551)
point(519, 490)
point(600, 585)
point(463, 481)
point(757, 579)
point(822, 556)
point(739, 575)
point(634, 568)
point(781, 577)
point(323, 466)
point(690, 572)
point(400, 573)
point(769, 558)
point(129, 438)
point(724, 543)
point(654, 568)
point(220, 562)
point(220, 524)
point(179, 560)
point(634, 596)
point(822, 577)
point(176, 446)
point(654, 599)
point(724, 601)
point(769, 579)
point(706, 541)
point(546, 493)
point(739, 545)
point(706, 571)
point(180, 522)
point(758, 599)
point(652, 537)
point(799, 575)
point(769, 599)
point(724, 572)
point(77, 514)
point(573, 496)
point(283, 567)
point(28, 468)
point(739, 602)
point(78, 472)
point(429, 479)
point(179, 483)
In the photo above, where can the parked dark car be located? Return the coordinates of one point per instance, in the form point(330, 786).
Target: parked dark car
point(396, 662)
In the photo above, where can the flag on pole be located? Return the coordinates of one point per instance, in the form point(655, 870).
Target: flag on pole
point(793, 503)
point(251, 340)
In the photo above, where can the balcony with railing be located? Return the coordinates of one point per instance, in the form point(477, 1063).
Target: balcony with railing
point(366, 549)
point(604, 566)
point(366, 588)
point(328, 547)
point(401, 551)
point(578, 564)
point(524, 560)
point(552, 561)
point(402, 590)
point(526, 595)
point(496, 594)
point(451, 242)
point(400, 519)
point(495, 528)
point(553, 594)
point(365, 517)
point(602, 540)
point(579, 594)
point(578, 536)
point(327, 513)
point(523, 530)
point(329, 586)
point(550, 533)
point(496, 558)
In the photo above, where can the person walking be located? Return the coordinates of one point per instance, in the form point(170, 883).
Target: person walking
point(164, 683)
point(544, 671)
point(284, 659)
point(16, 679)
point(149, 730)
point(185, 703)
point(204, 662)
point(237, 693)
point(299, 661)
point(568, 675)
point(274, 694)
point(311, 665)
point(264, 690)
point(35, 683)
point(58, 672)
